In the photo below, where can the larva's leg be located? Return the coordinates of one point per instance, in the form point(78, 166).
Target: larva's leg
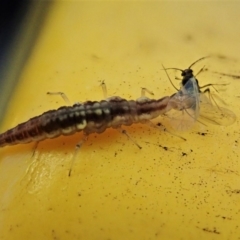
point(144, 90)
point(77, 148)
point(128, 136)
point(35, 148)
point(63, 95)
point(104, 89)
point(161, 127)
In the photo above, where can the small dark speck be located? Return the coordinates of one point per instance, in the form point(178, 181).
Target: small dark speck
point(214, 230)
point(163, 147)
point(188, 37)
point(235, 191)
point(221, 56)
point(223, 217)
point(184, 154)
point(95, 57)
point(202, 133)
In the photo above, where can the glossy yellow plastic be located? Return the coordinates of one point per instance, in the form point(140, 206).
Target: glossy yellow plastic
point(170, 189)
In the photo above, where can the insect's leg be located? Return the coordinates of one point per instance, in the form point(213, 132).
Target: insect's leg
point(208, 92)
point(144, 90)
point(128, 136)
point(63, 95)
point(162, 128)
point(212, 85)
point(212, 97)
point(78, 146)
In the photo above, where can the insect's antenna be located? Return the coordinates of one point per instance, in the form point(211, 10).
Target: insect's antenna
point(200, 70)
point(165, 69)
point(197, 61)
point(174, 69)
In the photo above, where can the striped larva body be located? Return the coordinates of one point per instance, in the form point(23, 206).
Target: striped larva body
point(89, 117)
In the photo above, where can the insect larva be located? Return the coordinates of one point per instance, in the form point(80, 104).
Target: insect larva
point(89, 117)
point(96, 117)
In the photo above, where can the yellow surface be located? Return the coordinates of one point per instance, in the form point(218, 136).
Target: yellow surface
point(187, 190)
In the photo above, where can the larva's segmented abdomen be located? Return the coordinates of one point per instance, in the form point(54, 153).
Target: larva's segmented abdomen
point(89, 117)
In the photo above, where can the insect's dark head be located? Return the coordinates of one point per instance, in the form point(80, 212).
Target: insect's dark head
point(186, 74)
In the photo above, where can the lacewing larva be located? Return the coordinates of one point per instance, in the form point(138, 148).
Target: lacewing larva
point(97, 116)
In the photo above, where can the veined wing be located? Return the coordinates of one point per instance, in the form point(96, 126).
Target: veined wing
point(185, 106)
point(214, 114)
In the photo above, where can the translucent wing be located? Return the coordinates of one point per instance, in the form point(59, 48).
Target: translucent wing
point(182, 120)
point(185, 106)
point(214, 114)
point(189, 105)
